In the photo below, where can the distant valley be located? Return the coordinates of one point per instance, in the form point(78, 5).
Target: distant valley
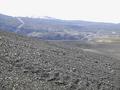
point(56, 29)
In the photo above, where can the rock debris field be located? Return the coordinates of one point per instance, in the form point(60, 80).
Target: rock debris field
point(31, 64)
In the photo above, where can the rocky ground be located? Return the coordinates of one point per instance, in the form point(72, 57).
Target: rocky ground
point(31, 64)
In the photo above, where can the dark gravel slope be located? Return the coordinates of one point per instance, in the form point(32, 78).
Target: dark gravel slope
point(30, 64)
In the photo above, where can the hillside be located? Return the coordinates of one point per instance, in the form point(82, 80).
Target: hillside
point(8, 23)
point(56, 29)
point(31, 64)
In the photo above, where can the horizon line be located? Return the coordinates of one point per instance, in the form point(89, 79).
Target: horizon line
point(54, 18)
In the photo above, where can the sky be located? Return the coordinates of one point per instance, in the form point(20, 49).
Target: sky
point(89, 10)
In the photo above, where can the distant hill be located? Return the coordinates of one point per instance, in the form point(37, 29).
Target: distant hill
point(55, 29)
point(8, 23)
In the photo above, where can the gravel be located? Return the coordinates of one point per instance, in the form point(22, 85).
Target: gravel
point(31, 64)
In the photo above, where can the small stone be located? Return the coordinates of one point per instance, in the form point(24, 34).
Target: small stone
point(13, 88)
point(112, 71)
point(56, 74)
point(74, 69)
point(96, 61)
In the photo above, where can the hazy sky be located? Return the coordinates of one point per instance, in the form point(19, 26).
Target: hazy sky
point(92, 10)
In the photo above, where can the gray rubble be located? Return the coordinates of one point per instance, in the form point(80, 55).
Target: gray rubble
point(31, 64)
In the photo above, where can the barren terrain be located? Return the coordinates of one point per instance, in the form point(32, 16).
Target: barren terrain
point(31, 64)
